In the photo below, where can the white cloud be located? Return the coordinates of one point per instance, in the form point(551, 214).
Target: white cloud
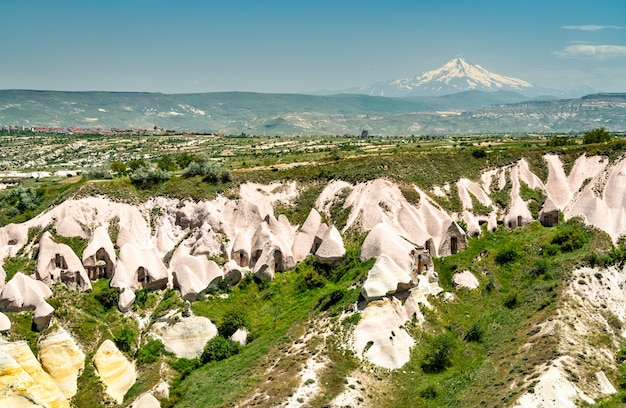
point(592, 51)
point(592, 27)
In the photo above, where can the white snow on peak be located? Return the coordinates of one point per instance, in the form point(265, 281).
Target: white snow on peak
point(459, 73)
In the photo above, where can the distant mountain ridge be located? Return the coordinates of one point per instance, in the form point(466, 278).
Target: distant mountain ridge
point(279, 114)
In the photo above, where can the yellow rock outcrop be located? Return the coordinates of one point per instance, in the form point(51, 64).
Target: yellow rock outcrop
point(61, 357)
point(23, 383)
point(115, 371)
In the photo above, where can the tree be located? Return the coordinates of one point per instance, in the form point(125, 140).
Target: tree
point(219, 348)
point(148, 175)
point(118, 167)
point(184, 159)
point(598, 135)
point(166, 163)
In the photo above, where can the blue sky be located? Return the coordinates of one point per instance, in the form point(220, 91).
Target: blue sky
point(292, 46)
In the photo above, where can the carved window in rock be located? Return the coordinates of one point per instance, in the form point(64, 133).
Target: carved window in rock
point(454, 245)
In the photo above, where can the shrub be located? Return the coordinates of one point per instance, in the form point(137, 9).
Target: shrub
point(125, 339)
point(184, 159)
point(166, 163)
point(150, 352)
point(569, 238)
point(108, 297)
point(233, 320)
point(475, 333)
point(438, 354)
point(148, 175)
point(540, 267)
point(218, 349)
point(557, 141)
point(479, 153)
point(507, 255)
point(510, 301)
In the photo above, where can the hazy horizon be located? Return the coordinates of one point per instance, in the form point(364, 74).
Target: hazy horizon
point(288, 47)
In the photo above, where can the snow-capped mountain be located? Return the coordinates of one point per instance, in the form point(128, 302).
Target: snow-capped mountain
point(455, 76)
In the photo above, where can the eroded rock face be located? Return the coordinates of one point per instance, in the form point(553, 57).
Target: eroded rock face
point(58, 262)
point(61, 357)
point(192, 275)
point(240, 336)
point(331, 250)
point(379, 336)
point(5, 323)
point(23, 381)
point(116, 372)
point(99, 257)
point(385, 278)
point(146, 401)
point(23, 293)
point(184, 336)
point(303, 242)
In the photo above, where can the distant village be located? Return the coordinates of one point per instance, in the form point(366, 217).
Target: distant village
point(8, 129)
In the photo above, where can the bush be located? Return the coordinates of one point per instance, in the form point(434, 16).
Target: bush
point(558, 141)
point(475, 333)
point(233, 320)
point(510, 301)
point(202, 167)
point(438, 354)
point(479, 153)
point(148, 175)
point(150, 352)
point(166, 163)
point(108, 297)
point(540, 267)
point(569, 238)
point(218, 349)
point(125, 339)
point(508, 255)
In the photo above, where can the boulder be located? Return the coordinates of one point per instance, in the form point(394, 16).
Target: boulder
point(22, 380)
point(115, 371)
point(240, 336)
point(42, 316)
point(305, 238)
point(126, 300)
point(5, 323)
point(465, 279)
point(99, 257)
point(61, 357)
point(146, 401)
point(385, 278)
point(184, 336)
point(23, 293)
point(331, 251)
point(58, 262)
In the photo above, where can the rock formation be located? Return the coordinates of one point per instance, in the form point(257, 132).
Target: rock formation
point(58, 262)
point(22, 380)
point(192, 275)
point(99, 257)
point(184, 336)
point(139, 269)
point(146, 401)
point(115, 371)
point(61, 357)
point(23, 293)
point(331, 250)
point(465, 279)
point(5, 323)
point(304, 239)
point(385, 278)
